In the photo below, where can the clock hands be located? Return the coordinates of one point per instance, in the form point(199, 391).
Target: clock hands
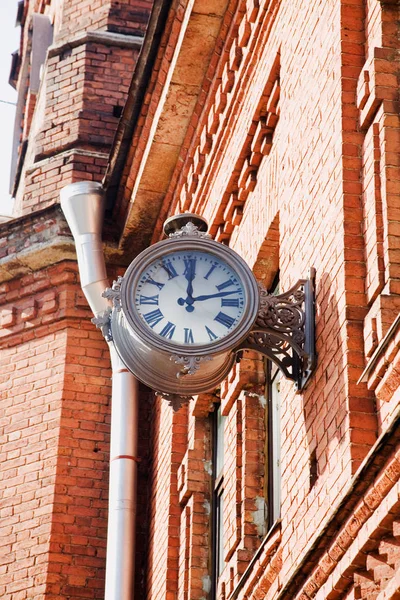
point(190, 300)
point(190, 274)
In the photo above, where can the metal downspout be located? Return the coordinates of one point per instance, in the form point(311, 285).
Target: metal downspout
point(83, 206)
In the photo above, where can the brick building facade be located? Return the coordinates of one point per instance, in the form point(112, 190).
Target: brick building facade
point(278, 121)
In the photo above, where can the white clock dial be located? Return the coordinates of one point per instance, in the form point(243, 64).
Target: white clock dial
point(190, 297)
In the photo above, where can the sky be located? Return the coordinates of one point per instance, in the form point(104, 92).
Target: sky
point(9, 42)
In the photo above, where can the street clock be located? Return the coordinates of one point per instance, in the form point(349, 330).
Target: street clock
point(188, 304)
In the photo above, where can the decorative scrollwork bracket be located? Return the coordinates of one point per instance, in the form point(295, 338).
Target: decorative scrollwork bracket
point(284, 330)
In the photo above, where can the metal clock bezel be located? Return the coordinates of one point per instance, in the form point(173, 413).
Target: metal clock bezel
point(163, 249)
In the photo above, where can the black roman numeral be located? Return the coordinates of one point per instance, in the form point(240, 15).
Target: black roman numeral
point(190, 267)
point(230, 302)
point(148, 299)
point(189, 339)
point(153, 317)
point(224, 319)
point(159, 285)
point(211, 334)
point(168, 331)
point(210, 271)
point(224, 285)
point(169, 267)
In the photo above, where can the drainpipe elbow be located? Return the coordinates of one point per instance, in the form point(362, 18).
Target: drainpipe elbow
point(83, 204)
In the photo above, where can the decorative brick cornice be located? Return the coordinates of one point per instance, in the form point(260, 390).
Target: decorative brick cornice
point(33, 242)
point(65, 155)
point(35, 301)
point(98, 37)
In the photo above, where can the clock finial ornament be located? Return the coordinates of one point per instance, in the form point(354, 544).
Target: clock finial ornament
point(186, 224)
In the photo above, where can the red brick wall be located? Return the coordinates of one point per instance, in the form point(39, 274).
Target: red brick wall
point(126, 16)
point(313, 195)
point(55, 423)
point(79, 527)
point(303, 178)
point(55, 388)
point(76, 128)
point(293, 159)
point(168, 446)
point(31, 412)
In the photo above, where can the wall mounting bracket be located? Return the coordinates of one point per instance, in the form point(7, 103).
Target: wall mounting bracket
point(284, 330)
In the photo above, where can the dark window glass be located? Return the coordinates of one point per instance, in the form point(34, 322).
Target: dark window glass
point(272, 479)
point(218, 424)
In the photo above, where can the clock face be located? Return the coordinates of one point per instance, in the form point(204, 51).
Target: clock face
point(190, 297)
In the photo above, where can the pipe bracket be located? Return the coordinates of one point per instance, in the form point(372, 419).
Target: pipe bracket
point(103, 322)
point(114, 294)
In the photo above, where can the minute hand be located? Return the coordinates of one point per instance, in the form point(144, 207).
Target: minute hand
point(219, 295)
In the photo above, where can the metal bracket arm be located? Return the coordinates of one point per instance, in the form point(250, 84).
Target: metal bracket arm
point(284, 330)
